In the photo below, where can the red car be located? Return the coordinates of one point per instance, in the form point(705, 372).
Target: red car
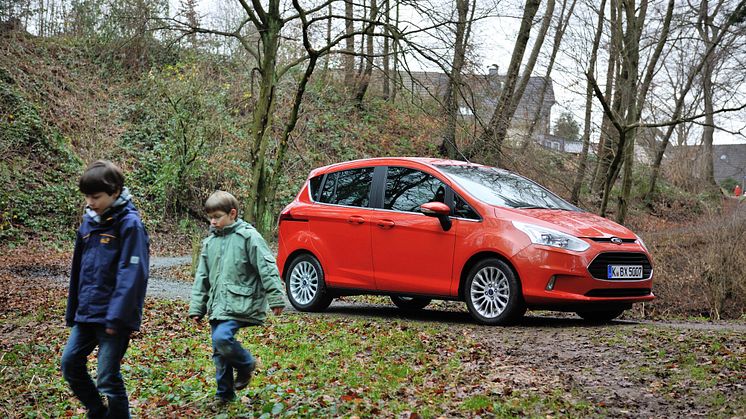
point(418, 229)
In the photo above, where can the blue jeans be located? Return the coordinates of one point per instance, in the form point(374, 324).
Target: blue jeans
point(111, 348)
point(228, 354)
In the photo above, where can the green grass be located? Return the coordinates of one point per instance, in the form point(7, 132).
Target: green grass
point(309, 366)
point(330, 366)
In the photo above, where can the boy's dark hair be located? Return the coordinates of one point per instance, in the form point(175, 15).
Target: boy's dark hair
point(101, 176)
point(221, 201)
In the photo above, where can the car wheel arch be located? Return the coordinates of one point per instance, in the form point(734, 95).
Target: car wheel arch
point(291, 257)
point(478, 257)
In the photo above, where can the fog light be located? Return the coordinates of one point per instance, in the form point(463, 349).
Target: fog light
point(550, 284)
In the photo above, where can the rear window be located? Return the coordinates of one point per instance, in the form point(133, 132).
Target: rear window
point(348, 187)
point(315, 187)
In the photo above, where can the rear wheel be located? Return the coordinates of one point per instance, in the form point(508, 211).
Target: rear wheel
point(305, 286)
point(410, 303)
point(493, 293)
point(600, 316)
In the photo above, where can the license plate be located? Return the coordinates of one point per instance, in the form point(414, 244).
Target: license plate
point(624, 271)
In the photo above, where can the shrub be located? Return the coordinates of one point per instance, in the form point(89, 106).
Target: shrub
point(37, 197)
point(701, 271)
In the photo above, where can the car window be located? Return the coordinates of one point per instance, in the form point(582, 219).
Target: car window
point(348, 187)
point(315, 187)
point(462, 209)
point(407, 189)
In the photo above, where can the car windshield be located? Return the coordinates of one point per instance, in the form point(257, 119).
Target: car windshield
point(502, 188)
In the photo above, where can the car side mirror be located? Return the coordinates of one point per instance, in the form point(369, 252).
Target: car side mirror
point(439, 210)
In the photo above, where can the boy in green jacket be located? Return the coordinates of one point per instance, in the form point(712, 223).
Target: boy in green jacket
point(237, 279)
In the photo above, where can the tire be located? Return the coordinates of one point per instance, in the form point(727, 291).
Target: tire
point(304, 284)
point(600, 316)
point(493, 293)
point(410, 303)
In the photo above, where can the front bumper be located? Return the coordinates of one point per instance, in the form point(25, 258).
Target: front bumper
point(553, 277)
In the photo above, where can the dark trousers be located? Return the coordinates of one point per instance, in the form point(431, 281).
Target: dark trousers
point(228, 354)
point(111, 348)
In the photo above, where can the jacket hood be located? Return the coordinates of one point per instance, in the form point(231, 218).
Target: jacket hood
point(229, 228)
point(580, 223)
point(124, 200)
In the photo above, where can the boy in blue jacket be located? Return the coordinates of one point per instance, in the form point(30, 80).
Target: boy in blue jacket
point(107, 289)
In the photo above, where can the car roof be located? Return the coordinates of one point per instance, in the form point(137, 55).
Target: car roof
point(382, 161)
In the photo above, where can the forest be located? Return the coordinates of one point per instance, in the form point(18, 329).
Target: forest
point(634, 110)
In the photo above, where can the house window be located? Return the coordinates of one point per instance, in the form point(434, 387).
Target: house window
point(465, 110)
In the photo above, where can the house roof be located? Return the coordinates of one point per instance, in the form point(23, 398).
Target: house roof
point(729, 161)
point(487, 87)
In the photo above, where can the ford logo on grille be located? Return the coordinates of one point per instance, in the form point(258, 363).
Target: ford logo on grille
point(616, 240)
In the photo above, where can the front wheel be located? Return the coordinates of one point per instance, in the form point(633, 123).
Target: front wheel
point(493, 293)
point(600, 316)
point(410, 303)
point(305, 286)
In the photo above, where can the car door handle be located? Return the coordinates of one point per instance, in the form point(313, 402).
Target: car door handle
point(385, 224)
point(355, 219)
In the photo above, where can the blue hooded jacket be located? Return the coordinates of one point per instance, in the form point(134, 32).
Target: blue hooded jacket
point(109, 273)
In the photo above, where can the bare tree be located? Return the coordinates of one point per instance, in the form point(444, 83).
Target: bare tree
point(349, 61)
point(448, 146)
point(562, 23)
point(268, 22)
point(631, 93)
point(367, 72)
point(677, 116)
point(494, 133)
point(575, 195)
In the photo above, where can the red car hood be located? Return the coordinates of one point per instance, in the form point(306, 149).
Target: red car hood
point(580, 224)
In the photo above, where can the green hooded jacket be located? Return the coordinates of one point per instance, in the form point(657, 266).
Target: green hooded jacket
point(237, 277)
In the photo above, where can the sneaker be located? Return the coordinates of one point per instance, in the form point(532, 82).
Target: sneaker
point(221, 402)
point(242, 378)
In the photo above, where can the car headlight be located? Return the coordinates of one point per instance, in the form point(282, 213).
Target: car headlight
point(548, 237)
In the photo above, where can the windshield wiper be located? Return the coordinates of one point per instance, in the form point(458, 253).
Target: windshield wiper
point(532, 207)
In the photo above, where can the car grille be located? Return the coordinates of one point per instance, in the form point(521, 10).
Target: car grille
point(599, 267)
point(608, 240)
point(617, 292)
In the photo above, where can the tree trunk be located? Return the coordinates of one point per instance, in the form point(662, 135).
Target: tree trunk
point(609, 135)
point(498, 125)
point(708, 130)
point(386, 59)
point(328, 40)
point(708, 32)
point(349, 58)
point(262, 127)
point(628, 111)
point(558, 35)
point(448, 147)
point(575, 195)
point(396, 78)
point(364, 81)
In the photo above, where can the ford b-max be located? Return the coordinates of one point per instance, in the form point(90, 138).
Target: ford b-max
point(418, 229)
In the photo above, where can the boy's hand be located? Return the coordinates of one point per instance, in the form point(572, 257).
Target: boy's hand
point(277, 310)
point(196, 318)
point(110, 331)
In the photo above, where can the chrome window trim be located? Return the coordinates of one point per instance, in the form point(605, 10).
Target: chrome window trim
point(388, 210)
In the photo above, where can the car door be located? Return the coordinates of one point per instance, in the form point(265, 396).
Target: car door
point(411, 252)
point(341, 221)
